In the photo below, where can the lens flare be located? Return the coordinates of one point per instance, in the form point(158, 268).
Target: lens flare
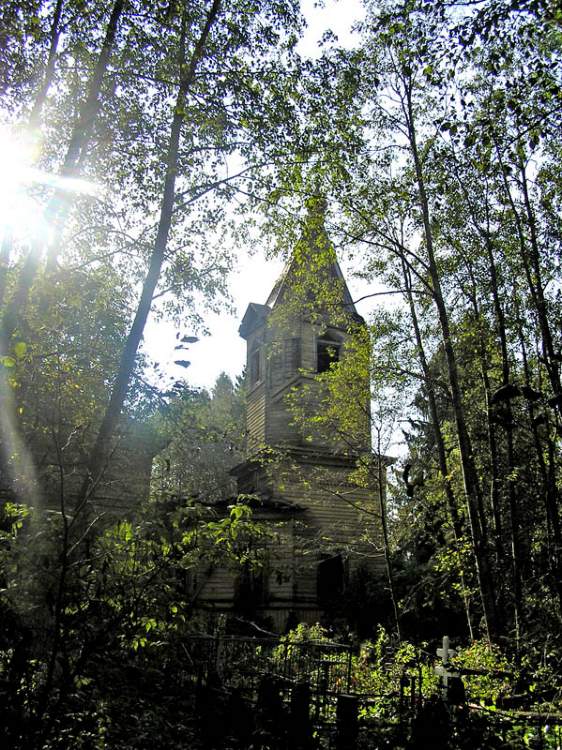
point(21, 205)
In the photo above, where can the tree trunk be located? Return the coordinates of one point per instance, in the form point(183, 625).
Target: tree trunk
point(470, 476)
point(49, 75)
point(385, 538)
point(81, 135)
point(496, 481)
point(515, 546)
point(112, 414)
point(5, 255)
point(33, 124)
point(516, 555)
point(548, 474)
point(439, 441)
point(530, 256)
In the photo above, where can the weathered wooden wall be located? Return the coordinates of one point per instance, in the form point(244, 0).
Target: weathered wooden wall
point(332, 516)
point(123, 487)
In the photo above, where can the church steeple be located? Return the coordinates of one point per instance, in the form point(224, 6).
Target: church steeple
point(314, 262)
point(299, 332)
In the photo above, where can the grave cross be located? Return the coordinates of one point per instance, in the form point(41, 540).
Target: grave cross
point(446, 652)
point(452, 688)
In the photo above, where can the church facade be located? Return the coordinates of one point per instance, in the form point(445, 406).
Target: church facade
point(300, 473)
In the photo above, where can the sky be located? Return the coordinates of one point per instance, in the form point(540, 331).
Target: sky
point(253, 277)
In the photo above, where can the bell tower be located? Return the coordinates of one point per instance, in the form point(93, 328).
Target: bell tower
point(299, 333)
point(311, 488)
point(301, 474)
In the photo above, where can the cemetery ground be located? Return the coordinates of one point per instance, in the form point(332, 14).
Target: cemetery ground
point(310, 689)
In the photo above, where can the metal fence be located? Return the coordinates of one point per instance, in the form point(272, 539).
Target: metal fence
point(234, 662)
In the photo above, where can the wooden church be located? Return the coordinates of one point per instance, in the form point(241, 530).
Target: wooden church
point(321, 523)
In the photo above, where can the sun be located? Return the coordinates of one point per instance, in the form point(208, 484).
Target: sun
point(22, 205)
point(19, 211)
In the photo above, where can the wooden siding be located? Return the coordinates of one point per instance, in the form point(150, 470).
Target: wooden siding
point(337, 518)
point(288, 343)
point(255, 417)
point(125, 483)
point(281, 428)
point(288, 352)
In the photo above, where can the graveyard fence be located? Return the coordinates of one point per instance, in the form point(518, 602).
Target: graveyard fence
point(241, 663)
point(272, 683)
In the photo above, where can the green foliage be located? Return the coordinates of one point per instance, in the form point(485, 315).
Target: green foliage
point(304, 633)
point(487, 688)
point(379, 669)
point(90, 621)
point(204, 433)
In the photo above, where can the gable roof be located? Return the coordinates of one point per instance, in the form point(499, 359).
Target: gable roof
point(255, 314)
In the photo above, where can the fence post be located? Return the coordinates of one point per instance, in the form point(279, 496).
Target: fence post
point(240, 718)
point(300, 727)
point(270, 703)
point(412, 692)
point(347, 722)
point(403, 686)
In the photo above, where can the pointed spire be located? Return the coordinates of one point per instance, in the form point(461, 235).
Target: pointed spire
point(313, 260)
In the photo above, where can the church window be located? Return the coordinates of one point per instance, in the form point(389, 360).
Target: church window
point(292, 355)
point(327, 353)
point(330, 579)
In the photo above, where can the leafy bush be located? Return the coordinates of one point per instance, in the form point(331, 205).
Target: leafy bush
point(379, 669)
point(93, 621)
point(488, 688)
